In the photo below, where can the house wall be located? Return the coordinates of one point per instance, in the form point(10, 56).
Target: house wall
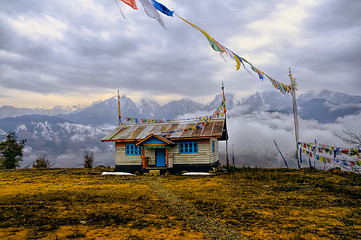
point(214, 155)
point(122, 159)
point(204, 155)
point(203, 159)
point(150, 154)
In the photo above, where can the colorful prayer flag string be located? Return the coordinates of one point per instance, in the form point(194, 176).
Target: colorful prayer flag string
point(152, 6)
point(352, 155)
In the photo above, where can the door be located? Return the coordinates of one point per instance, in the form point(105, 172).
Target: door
point(160, 157)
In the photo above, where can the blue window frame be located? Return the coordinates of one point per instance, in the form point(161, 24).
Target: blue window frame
point(188, 147)
point(132, 149)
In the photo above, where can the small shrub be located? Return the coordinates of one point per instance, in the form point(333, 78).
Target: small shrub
point(88, 159)
point(42, 162)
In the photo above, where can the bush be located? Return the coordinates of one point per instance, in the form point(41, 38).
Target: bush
point(42, 162)
point(88, 159)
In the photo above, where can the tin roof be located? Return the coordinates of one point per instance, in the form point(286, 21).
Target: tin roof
point(171, 130)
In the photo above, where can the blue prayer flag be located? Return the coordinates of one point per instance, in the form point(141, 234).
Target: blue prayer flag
point(163, 9)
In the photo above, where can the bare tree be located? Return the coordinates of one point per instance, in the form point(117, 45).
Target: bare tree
point(88, 158)
point(351, 138)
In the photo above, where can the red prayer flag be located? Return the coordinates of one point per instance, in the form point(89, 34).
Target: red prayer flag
point(131, 3)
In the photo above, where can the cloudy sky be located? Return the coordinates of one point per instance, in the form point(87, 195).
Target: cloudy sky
point(77, 51)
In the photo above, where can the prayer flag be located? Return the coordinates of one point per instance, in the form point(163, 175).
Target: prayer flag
point(131, 3)
point(214, 44)
point(163, 9)
point(119, 112)
point(259, 72)
point(151, 11)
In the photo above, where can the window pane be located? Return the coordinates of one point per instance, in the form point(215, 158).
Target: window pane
point(188, 147)
point(132, 149)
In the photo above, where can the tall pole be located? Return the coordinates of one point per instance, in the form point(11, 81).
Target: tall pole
point(232, 156)
point(119, 112)
point(225, 122)
point(295, 115)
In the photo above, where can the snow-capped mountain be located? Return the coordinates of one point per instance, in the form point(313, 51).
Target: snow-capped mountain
point(10, 111)
point(332, 97)
point(104, 113)
point(61, 141)
point(65, 136)
point(177, 108)
point(148, 107)
point(325, 106)
point(231, 102)
point(267, 101)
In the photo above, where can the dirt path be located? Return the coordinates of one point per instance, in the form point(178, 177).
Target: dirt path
point(212, 228)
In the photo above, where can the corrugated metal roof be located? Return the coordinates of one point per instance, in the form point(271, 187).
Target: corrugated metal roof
point(124, 132)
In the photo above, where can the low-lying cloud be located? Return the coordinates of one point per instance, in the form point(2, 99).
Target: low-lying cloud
point(251, 137)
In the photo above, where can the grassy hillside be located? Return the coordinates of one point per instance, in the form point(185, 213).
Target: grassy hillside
point(251, 203)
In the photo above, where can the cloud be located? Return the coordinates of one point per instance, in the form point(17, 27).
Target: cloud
point(77, 48)
point(251, 137)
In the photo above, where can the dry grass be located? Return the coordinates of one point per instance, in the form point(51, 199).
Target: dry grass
point(258, 203)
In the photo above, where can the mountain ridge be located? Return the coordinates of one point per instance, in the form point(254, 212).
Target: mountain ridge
point(63, 137)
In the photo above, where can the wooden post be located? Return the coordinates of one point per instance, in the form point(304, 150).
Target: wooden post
point(143, 157)
point(166, 155)
point(225, 122)
point(295, 116)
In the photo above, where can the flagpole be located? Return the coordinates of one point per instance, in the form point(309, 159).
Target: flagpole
point(232, 156)
point(295, 115)
point(225, 122)
point(119, 112)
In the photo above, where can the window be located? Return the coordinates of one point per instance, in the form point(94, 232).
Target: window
point(212, 146)
point(188, 147)
point(132, 149)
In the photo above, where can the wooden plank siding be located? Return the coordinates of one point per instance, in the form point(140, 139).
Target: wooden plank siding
point(122, 159)
point(205, 154)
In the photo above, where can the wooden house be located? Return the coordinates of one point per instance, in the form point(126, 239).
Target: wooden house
point(171, 146)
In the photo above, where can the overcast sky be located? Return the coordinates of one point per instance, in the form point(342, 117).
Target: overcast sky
point(77, 51)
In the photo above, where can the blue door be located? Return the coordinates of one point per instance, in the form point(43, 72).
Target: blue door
point(160, 157)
